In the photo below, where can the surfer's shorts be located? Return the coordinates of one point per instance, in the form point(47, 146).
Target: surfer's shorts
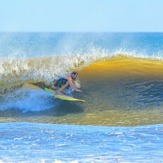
point(61, 82)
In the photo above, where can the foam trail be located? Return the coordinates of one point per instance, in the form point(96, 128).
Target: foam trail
point(28, 101)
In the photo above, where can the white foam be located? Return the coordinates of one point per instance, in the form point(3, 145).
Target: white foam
point(28, 100)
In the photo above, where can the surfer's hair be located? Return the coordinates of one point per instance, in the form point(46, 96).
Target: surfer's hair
point(74, 73)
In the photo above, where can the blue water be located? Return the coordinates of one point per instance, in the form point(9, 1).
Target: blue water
point(32, 142)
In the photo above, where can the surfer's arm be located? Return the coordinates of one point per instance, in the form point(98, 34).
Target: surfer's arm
point(72, 84)
point(63, 88)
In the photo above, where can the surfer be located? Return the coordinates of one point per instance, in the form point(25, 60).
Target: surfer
point(63, 83)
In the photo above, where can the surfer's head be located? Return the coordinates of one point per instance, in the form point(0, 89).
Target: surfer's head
point(74, 75)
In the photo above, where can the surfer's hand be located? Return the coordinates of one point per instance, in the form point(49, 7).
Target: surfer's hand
point(78, 90)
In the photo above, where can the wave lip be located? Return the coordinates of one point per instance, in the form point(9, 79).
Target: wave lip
point(45, 68)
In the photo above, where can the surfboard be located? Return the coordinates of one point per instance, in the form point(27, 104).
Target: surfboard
point(63, 97)
point(50, 91)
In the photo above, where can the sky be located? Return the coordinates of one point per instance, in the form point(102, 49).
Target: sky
point(81, 15)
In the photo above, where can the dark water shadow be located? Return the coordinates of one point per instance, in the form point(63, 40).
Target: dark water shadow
point(145, 93)
point(64, 108)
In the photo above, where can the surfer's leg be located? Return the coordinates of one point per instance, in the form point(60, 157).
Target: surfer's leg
point(63, 88)
point(54, 85)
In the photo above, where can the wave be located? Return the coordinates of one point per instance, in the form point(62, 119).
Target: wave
point(113, 82)
point(120, 75)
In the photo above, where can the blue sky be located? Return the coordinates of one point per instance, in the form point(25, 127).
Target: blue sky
point(81, 15)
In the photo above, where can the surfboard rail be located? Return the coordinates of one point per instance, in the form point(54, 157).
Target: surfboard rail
point(63, 97)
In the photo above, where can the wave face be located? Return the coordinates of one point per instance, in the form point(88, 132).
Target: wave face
point(118, 71)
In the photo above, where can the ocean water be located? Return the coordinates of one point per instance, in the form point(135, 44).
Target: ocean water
point(121, 79)
point(31, 142)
